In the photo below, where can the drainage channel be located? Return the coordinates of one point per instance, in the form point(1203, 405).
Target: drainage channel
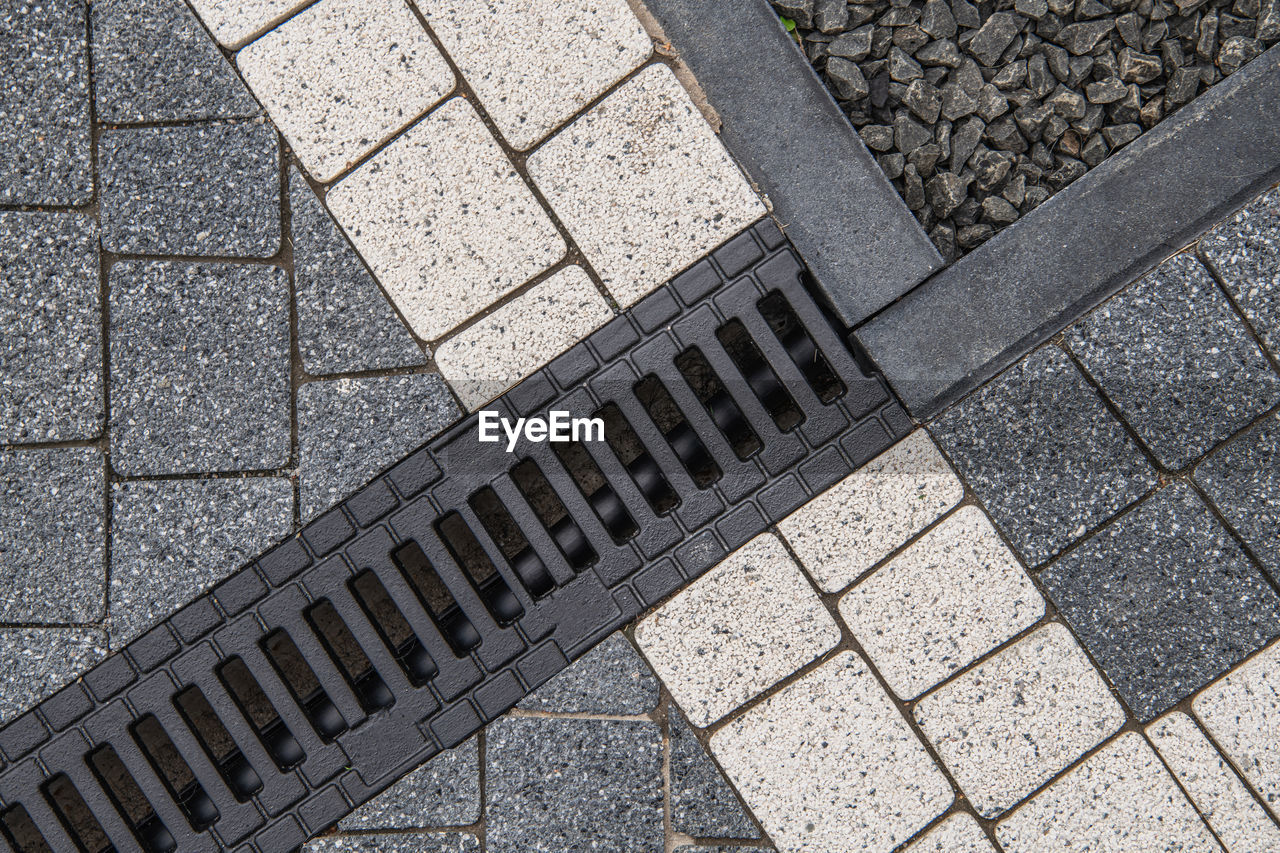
point(431, 601)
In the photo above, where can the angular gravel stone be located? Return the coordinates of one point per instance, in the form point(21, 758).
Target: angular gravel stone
point(1164, 600)
point(234, 22)
point(38, 661)
point(1245, 251)
point(847, 78)
point(443, 792)
point(171, 541)
point(1177, 361)
point(828, 759)
point(204, 190)
point(51, 353)
point(345, 322)
point(703, 804)
point(1122, 798)
point(52, 535)
point(643, 184)
point(534, 64)
point(610, 679)
point(444, 220)
point(45, 154)
point(957, 834)
point(334, 113)
point(1241, 712)
point(199, 367)
point(502, 348)
point(1212, 785)
point(350, 429)
point(950, 598)
point(1243, 480)
point(936, 19)
point(738, 630)
point(152, 61)
point(435, 842)
point(845, 531)
point(554, 785)
point(1043, 454)
point(997, 32)
point(1006, 727)
point(853, 46)
point(1083, 37)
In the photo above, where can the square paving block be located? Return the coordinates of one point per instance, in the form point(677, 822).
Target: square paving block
point(343, 76)
point(558, 784)
point(534, 63)
point(855, 524)
point(199, 367)
point(445, 221)
point(37, 661)
point(1173, 356)
point(738, 630)
point(171, 541)
point(1245, 250)
point(502, 348)
point(941, 604)
point(610, 679)
point(52, 535)
point(643, 184)
point(1122, 798)
point(1007, 726)
point(202, 190)
point(1044, 455)
point(1243, 480)
point(957, 834)
point(829, 759)
point(234, 22)
point(1165, 600)
point(51, 353)
point(443, 792)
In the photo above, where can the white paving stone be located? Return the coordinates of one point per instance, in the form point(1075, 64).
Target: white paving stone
point(1121, 799)
point(829, 765)
point(534, 63)
point(950, 598)
point(957, 834)
point(499, 350)
point(643, 185)
point(445, 221)
point(856, 523)
point(738, 630)
point(1242, 713)
point(343, 76)
point(1241, 824)
point(1007, 726)
point(234, 22)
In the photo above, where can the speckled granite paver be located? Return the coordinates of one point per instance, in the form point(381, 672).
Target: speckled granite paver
point(703, 805)
point(957, 834)
point(443, 792)
point(400, 843)
point(38, 660)
point(1243, 481)
point(234, 22)
point(610, 679)
point(51, 350)
point(1245, 251)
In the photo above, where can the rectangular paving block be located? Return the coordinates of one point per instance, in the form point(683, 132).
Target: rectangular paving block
point(643, 185)
point(828, 759)
point(443, 792)
point(1243, 481)
point(343, 76)
point(1213, 786)
point(1007, 726)
point(1245, 252)
point(444, 220)
point(37, 660)
point(234, 22)
point(534, 64)
point(500, 349)
point(855, 524)
point(1122, 798)
point(702, 804)
point(957, 834)
point(745, 625)
point(610, 679)
point(950, 598)
point(415, 842)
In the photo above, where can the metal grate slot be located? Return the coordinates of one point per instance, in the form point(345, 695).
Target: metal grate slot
point(129, 800)
point(393, 628)
point(636, 458)
point(21, 831)
point(546, 505)
point(436, 598)
point(761, 378)
point(267, 724)
point(76, 817)
point(182, 784)
point(479, 569)
point(675, 428)
point(596, 489)
point(218, 744)
point(710, 391)
point(510, 539)
point(303, 684)
point(335, 636)
point(782, 319)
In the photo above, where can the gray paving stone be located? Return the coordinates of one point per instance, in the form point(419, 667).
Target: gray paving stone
point(35, 662)
point(1164, 600)
point(345, 322)
point(610, 679)
point(417, 842)
point(350, 429)
point(1245, 250)
point(199, 367)
point(725, 848)
point(1044, 454)
point(703, 805)
point(51, 351)
point(45, 156)
point(1175, 359)
point(152, 61)
point(443, 792)
point(172, 540)
point(1243, 479)
point(204, 190)
point(52, 535)
point(573, 785)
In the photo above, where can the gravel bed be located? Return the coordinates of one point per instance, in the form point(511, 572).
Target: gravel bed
point(979, 112)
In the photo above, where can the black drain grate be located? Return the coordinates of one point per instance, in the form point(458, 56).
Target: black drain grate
point(430, 602)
